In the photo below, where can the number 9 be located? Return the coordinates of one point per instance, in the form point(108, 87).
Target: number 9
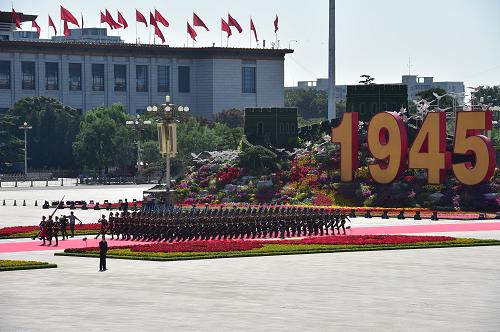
point(387, 142)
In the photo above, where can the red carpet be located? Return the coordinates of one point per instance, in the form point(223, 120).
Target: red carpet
point(30, 245)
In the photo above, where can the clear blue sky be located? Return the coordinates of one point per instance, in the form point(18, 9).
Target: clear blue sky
point(452, 40)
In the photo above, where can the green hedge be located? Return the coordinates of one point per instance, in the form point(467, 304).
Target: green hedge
point(12, 265)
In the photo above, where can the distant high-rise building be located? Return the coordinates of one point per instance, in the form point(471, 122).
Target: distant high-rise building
point(418, 84)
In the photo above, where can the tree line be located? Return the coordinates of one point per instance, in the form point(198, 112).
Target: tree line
point(100, 140)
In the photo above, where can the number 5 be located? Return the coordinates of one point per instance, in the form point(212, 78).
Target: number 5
point(466, 142)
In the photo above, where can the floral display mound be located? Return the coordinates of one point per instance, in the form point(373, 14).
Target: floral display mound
point(30, 231)
point(311, 177)
point(9, 265)
point(247, 248)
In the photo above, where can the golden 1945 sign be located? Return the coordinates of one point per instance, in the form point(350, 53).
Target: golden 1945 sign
point(388, 144)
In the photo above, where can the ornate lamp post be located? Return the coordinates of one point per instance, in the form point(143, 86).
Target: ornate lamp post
point(25, 127)
point(139, 125)
point(167, 131)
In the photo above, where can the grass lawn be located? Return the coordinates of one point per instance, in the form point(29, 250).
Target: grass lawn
point(9, 265)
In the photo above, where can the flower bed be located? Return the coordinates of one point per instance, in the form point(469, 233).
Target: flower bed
point(10, 265)
point(30, 231)
point(245, 248)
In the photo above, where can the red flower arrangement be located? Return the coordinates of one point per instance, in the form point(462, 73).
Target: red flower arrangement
point(199, 246)
point(229, 175)
point(245, 245)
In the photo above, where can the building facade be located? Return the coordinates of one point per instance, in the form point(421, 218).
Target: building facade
point(88, 75)
point(321, 84)
point(88, 69)
point(415, 85)
point(371, 99)
point(271, 126)
point(418, 84)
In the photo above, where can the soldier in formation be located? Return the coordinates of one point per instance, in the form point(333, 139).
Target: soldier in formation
point(223, 223)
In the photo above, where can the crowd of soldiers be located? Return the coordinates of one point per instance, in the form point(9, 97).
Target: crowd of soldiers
point(50, 228)
point(196, 224)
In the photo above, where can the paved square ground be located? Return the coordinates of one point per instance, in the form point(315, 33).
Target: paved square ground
point(449, 289)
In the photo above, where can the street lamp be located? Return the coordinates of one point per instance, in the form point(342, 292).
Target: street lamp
point(168, 114)
point(139, 125)
point(25, 127)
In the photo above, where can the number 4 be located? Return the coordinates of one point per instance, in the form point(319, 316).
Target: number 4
point(428, 150)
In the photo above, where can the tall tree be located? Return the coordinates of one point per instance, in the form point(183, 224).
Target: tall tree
point(10, 145)
point(490, 95)
point(55, 127)
point(310, 103)
point(104, 140)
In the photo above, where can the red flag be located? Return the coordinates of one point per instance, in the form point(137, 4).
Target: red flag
point(16, 19)
point(161, 19)
point(35, 25)
point(112, 23)
point(232, 22)
point(198, 22)
point(51, 24)
point(140, 18)
point(159, 33)
point(225, 27)
point(66, 16)
point(103, 18)
point(191, 31)
point(252, 28)
point(152, 20)
point(122, 20)
point(276, 24)
point(66, 29)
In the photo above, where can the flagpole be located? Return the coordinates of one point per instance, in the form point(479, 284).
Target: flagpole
point(136, 31)
point(221, 36)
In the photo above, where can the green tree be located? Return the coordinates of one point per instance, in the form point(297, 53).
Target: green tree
point(151, 153)
point(233, 118)
point(193, 136)
point(490, 95)
point(10, 146)
point(55, 127)
point(309, 103)
point(429, 96)
point(104, 140)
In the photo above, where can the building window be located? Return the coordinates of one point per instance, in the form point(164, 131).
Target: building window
point(351, 108)
point(260, 129)
point(75, 77)
point(4, 74)
point(292, 128)
point(120, 77)
point(248, 81)
point(97, 77)
point(282, 128)
point(362, 108)
point(163, 78)
point(141, 75)
point(374, 108)
point(28, 70)
point(184, 79)
point(51, 76)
